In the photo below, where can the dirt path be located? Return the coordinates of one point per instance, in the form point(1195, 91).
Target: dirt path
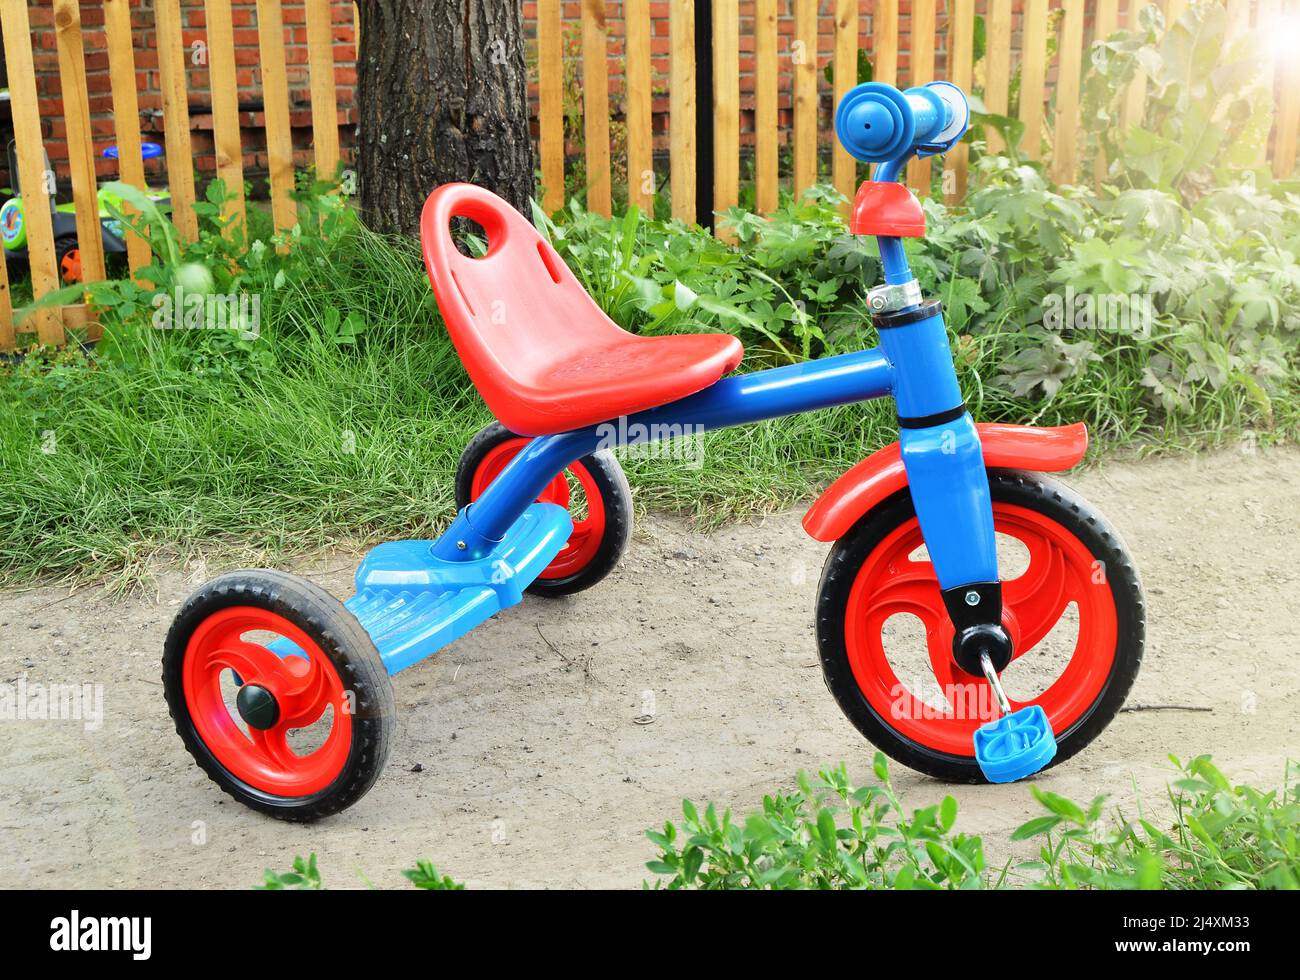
point(533, 770)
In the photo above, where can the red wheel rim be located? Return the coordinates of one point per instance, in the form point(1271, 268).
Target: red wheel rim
point(70, 267)
point(1061, 571)
point(587, 531)
point(303, 688)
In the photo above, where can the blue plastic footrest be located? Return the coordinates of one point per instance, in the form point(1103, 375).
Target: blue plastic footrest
point(412, 603)
point(1015, 746)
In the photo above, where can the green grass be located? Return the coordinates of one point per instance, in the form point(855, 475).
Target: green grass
point(171, 445)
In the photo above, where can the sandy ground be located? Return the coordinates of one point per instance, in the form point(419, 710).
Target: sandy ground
point(519, 759)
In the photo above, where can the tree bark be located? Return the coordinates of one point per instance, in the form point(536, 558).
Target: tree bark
point(442, 94)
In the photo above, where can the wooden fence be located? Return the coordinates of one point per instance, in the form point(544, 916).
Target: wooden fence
point(49, 323)
point(777, 55)
point(771, 52)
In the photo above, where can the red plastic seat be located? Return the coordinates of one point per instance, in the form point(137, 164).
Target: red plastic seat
point(542, 354)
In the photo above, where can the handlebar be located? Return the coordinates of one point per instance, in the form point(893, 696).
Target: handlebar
point(877, 123)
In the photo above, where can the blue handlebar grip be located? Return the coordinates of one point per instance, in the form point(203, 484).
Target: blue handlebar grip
point(876, 122)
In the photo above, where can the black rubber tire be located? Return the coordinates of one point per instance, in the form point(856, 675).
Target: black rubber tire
point(614, 493)
point(341, 639)
point(1030, 490)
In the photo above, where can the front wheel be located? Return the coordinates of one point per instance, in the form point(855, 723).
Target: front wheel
point(593, 490)
point(278, 694)
point(1072, 603)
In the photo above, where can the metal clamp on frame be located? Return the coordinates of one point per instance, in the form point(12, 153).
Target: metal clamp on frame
point(888, 297)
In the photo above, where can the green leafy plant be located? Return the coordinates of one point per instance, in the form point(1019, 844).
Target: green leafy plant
point(1222, 836)
point(830, 834)
point(425, 876)
point(305, 876)
point(1207, 106)
point(827, 834)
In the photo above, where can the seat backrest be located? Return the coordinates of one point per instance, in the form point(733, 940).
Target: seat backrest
point(513, 311)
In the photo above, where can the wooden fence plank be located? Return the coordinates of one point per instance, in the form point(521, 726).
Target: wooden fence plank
point(681, 108)
point(32, 177)
point(1288, 109)
point(844, 169)
point(126, 116)
point(176, 117)
point(726, 106)
point(225, 105)
point(81, 149)
point(1033, 75)
point(997, 61)
point(1106, 22)
point(1106, 19)
point(803, 58)
point(595, 104)
point(324, 95)
point(1135, 99)
point(884, 43)
point(922, 57)
point(640, 136)
point(961, 72)
point(766, 135)
point(1267, 13)
point(550, 109)
point(1065, 150)
point(1238, 17)
point(275, 104)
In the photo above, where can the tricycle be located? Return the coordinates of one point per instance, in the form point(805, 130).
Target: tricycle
point(282, 693)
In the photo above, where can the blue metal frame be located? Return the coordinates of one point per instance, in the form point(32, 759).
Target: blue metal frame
point(944, 463)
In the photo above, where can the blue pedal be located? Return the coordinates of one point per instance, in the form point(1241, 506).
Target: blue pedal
point(1015, 746)
point(412, 603)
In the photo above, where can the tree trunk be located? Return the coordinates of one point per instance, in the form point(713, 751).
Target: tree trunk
point(442, 94)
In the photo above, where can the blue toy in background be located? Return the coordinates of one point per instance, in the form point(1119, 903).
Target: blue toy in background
point(282, 693)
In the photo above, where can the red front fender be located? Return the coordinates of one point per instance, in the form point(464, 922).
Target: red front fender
point(1023, 447)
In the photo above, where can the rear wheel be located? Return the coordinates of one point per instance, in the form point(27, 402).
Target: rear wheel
point(1073, 606)
point(298, 735)
point(593, 490)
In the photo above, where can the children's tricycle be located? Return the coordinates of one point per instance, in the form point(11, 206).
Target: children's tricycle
point(282, 693)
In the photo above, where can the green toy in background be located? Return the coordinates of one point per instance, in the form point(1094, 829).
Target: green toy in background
point(67, 252)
